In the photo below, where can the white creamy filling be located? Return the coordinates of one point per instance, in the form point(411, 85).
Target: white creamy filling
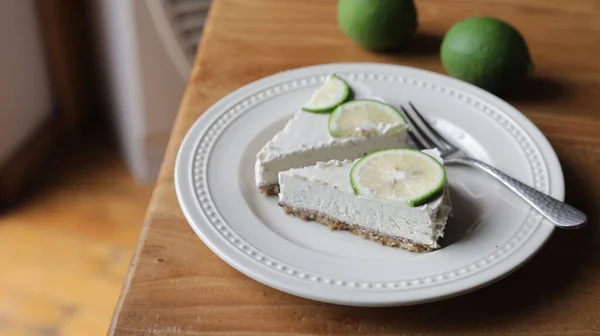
point(422, 224)
point(325, 187)
point(267, 170)
point(305, 140)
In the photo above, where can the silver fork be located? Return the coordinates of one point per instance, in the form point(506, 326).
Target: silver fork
point(426, 136)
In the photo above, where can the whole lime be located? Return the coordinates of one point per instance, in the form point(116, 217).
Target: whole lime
point(378, 24)
point(486, 52)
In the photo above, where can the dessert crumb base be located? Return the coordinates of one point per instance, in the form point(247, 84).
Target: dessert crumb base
point(334, 224)
point(269, 189)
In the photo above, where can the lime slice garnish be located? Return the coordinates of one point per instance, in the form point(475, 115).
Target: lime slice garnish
point(328, 96)
point(406, 175)
point(359, 116)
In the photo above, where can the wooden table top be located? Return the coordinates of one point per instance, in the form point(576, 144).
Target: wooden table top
point(177, 286)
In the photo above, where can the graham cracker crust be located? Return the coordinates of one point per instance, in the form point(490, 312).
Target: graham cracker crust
point(335, 224)
point(269, 189)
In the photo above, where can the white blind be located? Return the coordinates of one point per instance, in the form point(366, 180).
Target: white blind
point(180, 24)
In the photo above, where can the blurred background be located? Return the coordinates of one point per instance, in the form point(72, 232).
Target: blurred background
point(88, 95)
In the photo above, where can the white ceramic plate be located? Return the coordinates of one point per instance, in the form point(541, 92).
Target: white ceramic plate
point(491, 234)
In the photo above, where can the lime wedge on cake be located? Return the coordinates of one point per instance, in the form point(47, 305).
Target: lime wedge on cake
point(406, 175)
point(362, 114)
point(333, 92)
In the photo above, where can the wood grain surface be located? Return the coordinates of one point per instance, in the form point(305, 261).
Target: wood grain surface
point(176, 286)
point(65, 246)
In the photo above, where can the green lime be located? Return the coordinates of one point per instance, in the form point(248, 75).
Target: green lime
point(486, 52)
point(403, 174)
point(359, 116)
point(378, 24)
point(328, 96)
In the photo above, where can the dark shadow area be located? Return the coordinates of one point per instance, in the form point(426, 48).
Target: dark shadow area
point(27, 167)
point(80, 153)
point(421, 44)
point(465, 217)
point(557, 271)
point(537, 89)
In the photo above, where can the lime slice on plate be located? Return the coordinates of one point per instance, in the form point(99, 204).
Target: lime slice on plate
point(406, 175)
point(362, 114)
point(328, 96)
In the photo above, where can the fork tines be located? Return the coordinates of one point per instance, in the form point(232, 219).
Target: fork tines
point(423, 134)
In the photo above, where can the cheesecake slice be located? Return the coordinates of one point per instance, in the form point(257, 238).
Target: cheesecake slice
point(324, 193)
point(306, 140)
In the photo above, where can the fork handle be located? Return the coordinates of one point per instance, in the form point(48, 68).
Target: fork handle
point(560, 213)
